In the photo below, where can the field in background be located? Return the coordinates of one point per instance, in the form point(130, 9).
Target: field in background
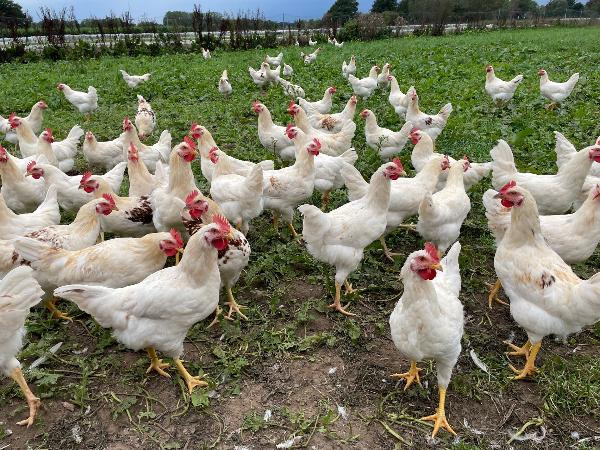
point(293, 356)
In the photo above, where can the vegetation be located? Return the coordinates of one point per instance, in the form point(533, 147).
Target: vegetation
point(293, 356)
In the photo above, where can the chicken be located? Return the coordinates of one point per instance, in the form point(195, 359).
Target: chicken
point(292, 90)
point(323, 106)
point(501, 91)
point(18, 293)
point(22, 194)
point(272, 136)
point(339, 237)
point(442, 214)
point(171, 300)
point(397, 98)
point(334, 123)
point(384, 141)
point(134, 81)
point(554, 194)
point(34, 119)
point(274, 60)
point(311, 42)
point(206, 53)
point(383, 78)
point(556, 92)
point(327, 168)
point(364, 87)
point(338, 44)
point(85, 102)
point(149, 153)
point(259, 76)
point(574, 237)
point(206, 144)
point(333, 144)
point(311, 57)
point(238, 196)
point(224, 85)
point(12, 225)
point(350, 68)
point(145, 118)
point(71, 196)
point(546, 296)
point(428, 320)
point(432, 125)
point(105, 155)
point(141, 181)
point(423, 152)
point(232, 259)
point(45, 140)
point(288, 71)
point(330, 40)
point(271, 74)
point(406, 194)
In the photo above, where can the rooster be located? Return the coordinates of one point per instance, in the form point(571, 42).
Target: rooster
point(134, 81)
point(145, 118)
point(339, 237)
point(556, 92)
point(386, 142)
point(149, 153)
point(85, 102)
point(397, 98)
point(350, 68)
point(34, 119)
point(432, 125)
point(171, 300)
point(271, 135)
point(501, 91)
point(364, 87)
point(224, 85)
point(105, 155)
point(12, 225)
point(322, 106)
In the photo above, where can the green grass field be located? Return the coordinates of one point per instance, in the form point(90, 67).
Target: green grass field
point(282, 358)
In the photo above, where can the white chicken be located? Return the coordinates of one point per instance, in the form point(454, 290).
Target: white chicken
point(349, 68)
point(546, 296)
point(171, 300)
point(311, 57)
point(291, 89)
point(322, 106)
point(338, 44)
point(383, 78)
point(273, 75)
point(334, 123)
point(428, 320)
point(45, 140)
point(311, 42)
point(442, 214)
point(206, 53)
point(151, 154)
point(34, 119)
point(134, 81)
point(259, 77)
point(397, 98)
point(501, 91)
point(364, 87)
point(271, 135)
point(12, 225)
point(564, 186)
point(274, 60)
point(85, 102)
point(339, 237)
point(141, 181)
point(21, 193)
point(224, 84)
point(105, 155)
point(18, 293)
point(432, 125)
point(288, 71)
point(384, 141)
point(145, 118)
point(556, 92)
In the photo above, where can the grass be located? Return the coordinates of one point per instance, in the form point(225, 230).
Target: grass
point(281, 357)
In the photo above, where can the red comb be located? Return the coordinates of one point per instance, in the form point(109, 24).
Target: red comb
point(193, 126)
point(507, 186)
point(12, 116)
point(398, 163)
point(175, 235)
point(85, 177)
point(414, 130)
point(432, 251)
point(30, 166)
point(48, 130)
point(191, 196)
point(317, 142)
point(111, 201)
point(222, 223)
point(189, 142)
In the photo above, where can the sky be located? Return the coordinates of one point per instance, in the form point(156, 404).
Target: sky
point(155, 9)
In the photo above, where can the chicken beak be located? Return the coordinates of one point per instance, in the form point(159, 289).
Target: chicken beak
point(230, 235)
point(498, 195)
point(403, 173)
point(437, 266)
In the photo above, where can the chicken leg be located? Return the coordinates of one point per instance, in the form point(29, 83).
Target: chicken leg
point(336, 301)
point(439, 418)
point(325, 200)
point(156, 364)
point(493, 297)
point(190, 380)
point(276, 220)
point(386, 251)
point(32, 400)
point(411, 376)
point(56, 313)
point(233, 306)
point(519, 351)
point(529, 368)
point(215, 321)
point(552, 106)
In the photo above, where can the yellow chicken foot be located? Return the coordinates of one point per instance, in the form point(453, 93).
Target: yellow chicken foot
point(493, 297)
point(408, 226)
point(519, 351)
point(102, 236)
point(294, 233)
point(56, 313)
point(215, 321)
point(191, 381)
point(439, 418)
point(552, 106)
point(529, 368)
point(324, 201)
point(386, 251)
point(349, 288)
point(233, 306)
point(32, 400)
point(411, 376)
point(336, 302)
point(156, 364)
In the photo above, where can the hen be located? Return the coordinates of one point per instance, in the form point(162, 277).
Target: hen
point(311, 57)
point(432, 125)
point(554, 194)
point(274, 60)
point(85, 102)
point(145, 118)
point(556, 92)
point(272, 136)
point(333, 123)
point(206, 53)
point(364, 87)
point(224, 85)
point(339, 237)
point(259, 77)
point(349, 68)
point(441, 214)
point(546, 296)
point(428, 320)
point(384, 141)
point(141, 181)
point(34, 119)
point(383, 78)
point(288, 71)
point(291, 89)
point(12, 225)
point(323, 106)
point(45, 140)
point(105, 155)
point(22, 194)
point(501, 91)
point(171, 300)
point(18, 293)
point(134, 81)
point(397, 98)
point(151, 154)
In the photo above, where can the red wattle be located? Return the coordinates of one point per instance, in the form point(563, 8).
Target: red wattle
point(427, 274)
point(220, 244)
point(507, 203)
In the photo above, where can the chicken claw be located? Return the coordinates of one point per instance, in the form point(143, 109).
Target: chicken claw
point(191, 381)
point(215, 321)
point(529, 368)
point(349, 288)
point(234, 306)
point(411, 376)
point(439, 418)
point(336, 302)
point(56, 313)
point(386, 251)
point(519, 351)
point(493, 297)
point(156, 364)
point(32, 401)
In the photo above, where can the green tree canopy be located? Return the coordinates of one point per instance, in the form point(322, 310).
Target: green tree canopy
point(342, 10)
point(380, 6)
point(8, 8)
point(181, 18)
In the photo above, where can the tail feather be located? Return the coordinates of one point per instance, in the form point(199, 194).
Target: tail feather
point(503, 159)
point(164, 142)
point(355, 183)
point(254, 180)
point(114, 176)
point(76, 133)
point(92, 92)
point(349, 156)
point(446, 111)
point(315, 223)
point(267, 164)
point(50, 201)
point(517, 79)
point(123, 73)
point(31, 249)
point(498, 216)
point(96, 301)
point(19, 289)
point(572, 81)
point(451, 273)
point(563, 148)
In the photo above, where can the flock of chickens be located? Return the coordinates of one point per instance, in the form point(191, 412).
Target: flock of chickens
point(123, 284)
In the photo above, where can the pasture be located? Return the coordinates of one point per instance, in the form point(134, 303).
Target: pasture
point(324, 376)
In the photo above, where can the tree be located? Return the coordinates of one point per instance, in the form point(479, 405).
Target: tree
point(593, 6)
point(8, 8)
point(380, 6)
point(177, 18)
point(341, 11)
